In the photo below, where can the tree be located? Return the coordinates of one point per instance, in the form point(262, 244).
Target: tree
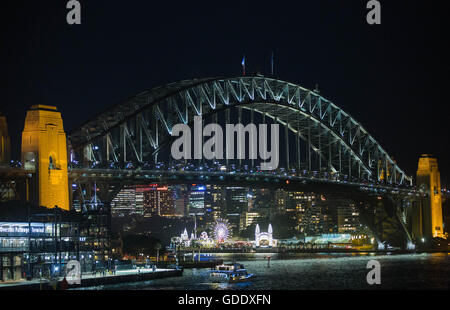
point(134, 245)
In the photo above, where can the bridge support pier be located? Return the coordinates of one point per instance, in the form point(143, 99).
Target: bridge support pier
point(44, 151)
point(427, 221)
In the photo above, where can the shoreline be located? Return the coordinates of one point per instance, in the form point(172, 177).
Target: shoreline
point(134, 275)
point(276, 251)
point(90, 281)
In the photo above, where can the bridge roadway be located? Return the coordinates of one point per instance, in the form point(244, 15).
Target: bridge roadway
point(256, 180)
point(263, 180)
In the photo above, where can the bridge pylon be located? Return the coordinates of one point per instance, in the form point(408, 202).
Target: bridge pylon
point(44, 151)
point(427, 216)
point(5, 142)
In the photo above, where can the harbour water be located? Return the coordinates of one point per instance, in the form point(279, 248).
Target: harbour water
point(314, 272)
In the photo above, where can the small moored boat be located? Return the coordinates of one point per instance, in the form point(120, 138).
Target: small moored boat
point(232, 273)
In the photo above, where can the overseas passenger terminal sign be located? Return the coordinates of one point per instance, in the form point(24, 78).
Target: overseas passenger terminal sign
point(24, 228)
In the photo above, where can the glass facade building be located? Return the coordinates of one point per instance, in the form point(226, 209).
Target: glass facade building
point(38, 242)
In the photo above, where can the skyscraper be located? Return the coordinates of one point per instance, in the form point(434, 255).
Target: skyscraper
point(125, 202)
point(158, 200)
point(237, 202)
point(247, 219)
point(197, 200)
point(215, 202)
point(181, 196)
point(165, 201)
point(150, 200)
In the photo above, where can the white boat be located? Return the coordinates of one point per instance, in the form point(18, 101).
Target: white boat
point(232, 273)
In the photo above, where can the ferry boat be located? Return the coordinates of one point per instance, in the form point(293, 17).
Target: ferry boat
point(232, 273)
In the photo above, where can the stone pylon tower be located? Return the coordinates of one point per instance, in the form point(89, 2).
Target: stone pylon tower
point(427, 221)
point(44, 151)
point(5, 142)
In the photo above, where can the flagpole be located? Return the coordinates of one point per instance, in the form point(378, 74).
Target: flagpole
point(272, 63)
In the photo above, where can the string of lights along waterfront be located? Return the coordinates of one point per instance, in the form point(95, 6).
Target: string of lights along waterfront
point(110, 198)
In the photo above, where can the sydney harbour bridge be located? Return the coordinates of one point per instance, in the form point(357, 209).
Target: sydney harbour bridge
point(323, 149)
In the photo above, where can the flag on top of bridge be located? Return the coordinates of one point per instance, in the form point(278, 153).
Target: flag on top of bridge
point(243, 65)
point(271, 64)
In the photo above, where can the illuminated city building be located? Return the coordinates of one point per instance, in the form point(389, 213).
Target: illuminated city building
point(209, 204)
point(313, 223)
point(36, 240)
point(197, 200)
point(237, 202)
point(347, 217)
point(247, 219)
point(297, 203)
point(294, 202)
point(150, 204)
point(139, 202)
point(165, 201)
point(130, 200)
point(125, 202)
point(281, 200)
point(181, 197)
point(215, 203)
point(262, 201)
point(158, 200)
point(237, 199)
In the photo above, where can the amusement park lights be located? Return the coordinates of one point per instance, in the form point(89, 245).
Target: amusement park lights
point(221, 230)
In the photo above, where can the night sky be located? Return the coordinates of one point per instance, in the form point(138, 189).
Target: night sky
point(392, 78)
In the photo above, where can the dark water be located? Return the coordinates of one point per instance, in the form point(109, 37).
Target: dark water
point(315, 271)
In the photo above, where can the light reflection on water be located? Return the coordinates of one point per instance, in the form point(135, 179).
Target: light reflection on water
point(314, 271)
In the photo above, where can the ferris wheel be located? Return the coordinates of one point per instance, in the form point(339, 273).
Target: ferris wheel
point(221, 230)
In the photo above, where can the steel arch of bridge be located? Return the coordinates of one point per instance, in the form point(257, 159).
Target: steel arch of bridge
point(136, 129)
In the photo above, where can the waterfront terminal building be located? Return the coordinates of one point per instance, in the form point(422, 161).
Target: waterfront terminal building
point(38, 242)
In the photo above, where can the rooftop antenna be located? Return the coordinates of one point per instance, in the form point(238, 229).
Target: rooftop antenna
point(95, 202)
